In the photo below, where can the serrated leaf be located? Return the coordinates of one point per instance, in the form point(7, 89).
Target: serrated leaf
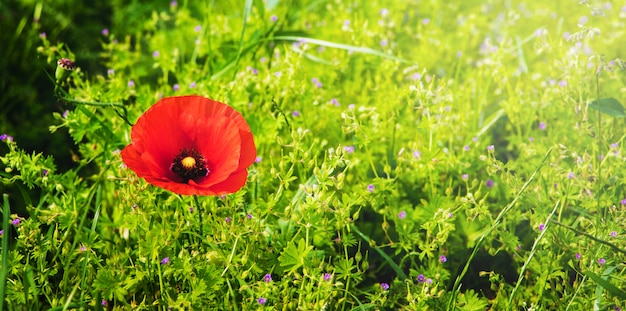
point(610, 106)
point(293, 257)
point(606, 285)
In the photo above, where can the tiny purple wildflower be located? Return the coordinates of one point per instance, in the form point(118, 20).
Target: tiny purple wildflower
point(490, 148)
point(262, 300)
point(267, 278)
point(173, 4)
point(489, 183)
point(346, 23)
point(176, 87)
point(384, 12)
point(42, 35)
point(295, 113)
point(278, 74)
point(443, 258)
point(263, 59)
point(131, 83)
point(45, 172)
point(613, 234)
point(155, 54)
point(258, 159)
point(228, 219)
point(583, 19)
point(348, 149)
point(105, 32)
point(335, 102)
point(465, 176)
point(459, 54)
point(103, 302)
point(421, 278)
point(570, 175)
point(577, 256)
point(542, 226)
point(417, 154)
point(384, 286)
point(370, 188)
point(1, 231)
point(110, 72)
point(563, 83)
point(429, 281)
point(249, 216)
point(165, 261)
point(274, 18)
point(601, 261)
point(402, 215)
point(624, 201)
point(542, 126)
point(466, 148)
point(426, 21)
point(384, 42)
point(327, 276)
point(192, 85)
point(16, 221)
point(416, 76)
point(253, 70)
point(198, 28)
point(191, 209)
point(475, 139)
point(531, 139)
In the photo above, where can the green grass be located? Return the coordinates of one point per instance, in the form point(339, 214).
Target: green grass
point(411, 155)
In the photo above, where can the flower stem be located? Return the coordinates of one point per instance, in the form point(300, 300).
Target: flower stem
point(64, 96)
point(199, 208)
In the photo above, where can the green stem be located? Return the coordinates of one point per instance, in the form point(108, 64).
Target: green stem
point(5, 249)
point(64, 96)
point(199, 208)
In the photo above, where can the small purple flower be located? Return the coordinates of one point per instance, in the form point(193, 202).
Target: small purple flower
point(346, 23)
point(335, 102)
point(327, 276)
point(583, 19)
point(466, 148)
point(249, 216)
point(577, 256)
point(103, 302)
point(16, 221)
point(228, 219)
point(165, 261)
point(426, 21)
point(542, 226)
point(45, 172)
point(563, 83)
point(176, 87)
point(542, 126)
point(370, 188)
point(459, 54)
point(489, 183)
point(417, 154)
point(198, 28)
point(317, 82)
point(624, 201)
point(464, 176)
point(384, 12)
point(261, 300)
point(531, 139)
point(155, 54)
point(82, 248)
point(384, 286)
point(267, 278)
point(173, 4)
point(110, 72)
point(384, 42)
point(443, 258)
point(490, 148)
point(263, 59)
point(601, 261)
point(1, 231)
point(258, 159)
point(416, 76)
point(402, 215)
point(570, 175)
point(105, 32)
point(131, 83)
point(42, 35)
point(253, 70)
point(274, 18)
point(295, 113)
point(191, 209)
point(348, 149)
point(613, 234)
point(421, 278)
point(278, 74)
point(192, 85)
point(429, 281)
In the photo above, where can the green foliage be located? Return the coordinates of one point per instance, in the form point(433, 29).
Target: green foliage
point(411, 155)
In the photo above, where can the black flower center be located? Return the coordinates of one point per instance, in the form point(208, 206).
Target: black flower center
point(189, 164)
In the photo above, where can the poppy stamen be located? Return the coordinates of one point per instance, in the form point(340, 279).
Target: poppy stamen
point(189, 164)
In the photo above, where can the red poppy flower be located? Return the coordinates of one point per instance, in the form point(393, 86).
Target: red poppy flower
point(191, 145)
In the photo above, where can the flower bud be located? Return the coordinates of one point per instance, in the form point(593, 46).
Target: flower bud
point(64, 68)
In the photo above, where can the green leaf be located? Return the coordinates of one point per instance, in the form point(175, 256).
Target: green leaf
point(610, 106)
point(293, 257)
point(604, 283)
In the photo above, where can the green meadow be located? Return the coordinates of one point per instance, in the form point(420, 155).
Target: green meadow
point(407, 155)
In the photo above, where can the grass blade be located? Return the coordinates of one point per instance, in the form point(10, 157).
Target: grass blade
point(5, 248)
point(390, 261)
point(496, 223)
